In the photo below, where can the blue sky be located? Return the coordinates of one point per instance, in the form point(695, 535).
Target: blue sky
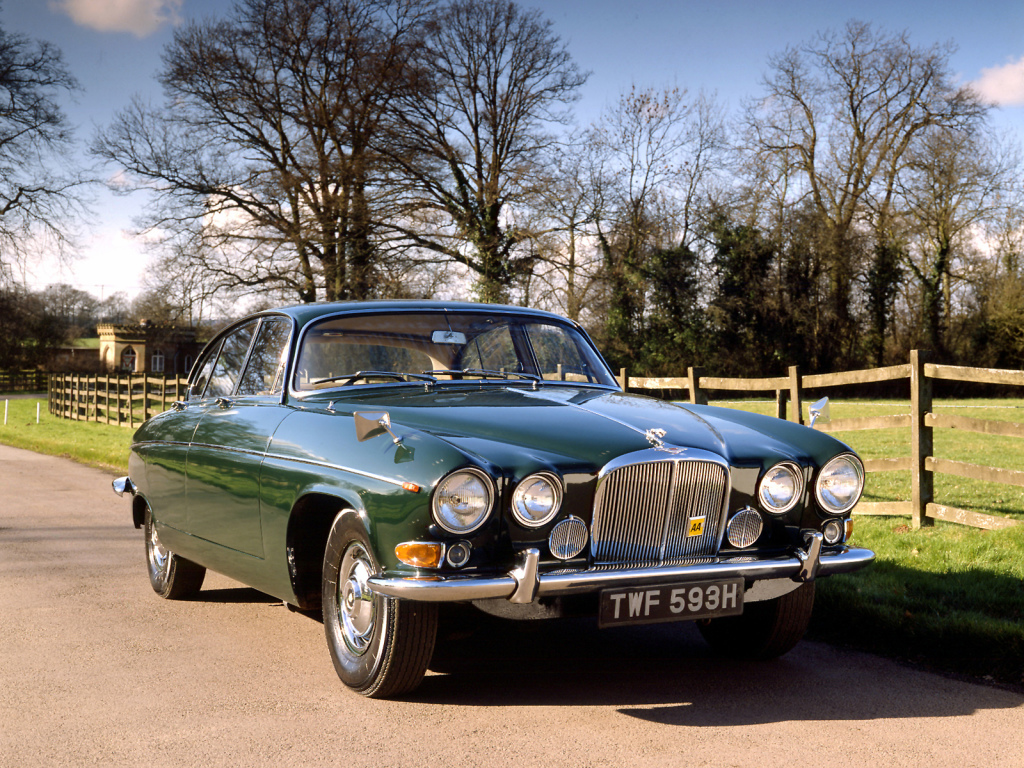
point(113, 47)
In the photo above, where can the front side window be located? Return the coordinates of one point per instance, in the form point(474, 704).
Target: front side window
point(264, 373)
point(202, 378)
point(230, 361)
point(379, 348)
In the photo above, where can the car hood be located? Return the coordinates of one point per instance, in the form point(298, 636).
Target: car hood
point(583, 426)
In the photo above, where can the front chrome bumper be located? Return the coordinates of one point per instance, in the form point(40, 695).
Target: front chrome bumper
point(524, 583)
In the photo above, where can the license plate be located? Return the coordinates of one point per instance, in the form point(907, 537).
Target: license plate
point(670, 602)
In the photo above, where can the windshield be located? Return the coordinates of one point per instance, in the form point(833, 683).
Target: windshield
point(444, 346)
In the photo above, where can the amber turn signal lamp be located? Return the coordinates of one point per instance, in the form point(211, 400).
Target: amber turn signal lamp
point(849, 529)
point(420, 554)
point(411, 487)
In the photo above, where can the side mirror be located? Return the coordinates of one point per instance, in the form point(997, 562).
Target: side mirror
point(372, 424)
point(819, 411)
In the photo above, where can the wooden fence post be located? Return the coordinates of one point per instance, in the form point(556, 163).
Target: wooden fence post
point(697, 395)
point(921, 446)
point(623, 381)
point(795, 395)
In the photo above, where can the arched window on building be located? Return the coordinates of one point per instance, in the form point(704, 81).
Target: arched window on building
point(128, 359)
point(157, 365)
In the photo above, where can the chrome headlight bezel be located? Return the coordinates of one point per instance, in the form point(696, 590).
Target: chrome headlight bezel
point(819, 492)
point(476, 519)
point(519, 499)
point(789, 468)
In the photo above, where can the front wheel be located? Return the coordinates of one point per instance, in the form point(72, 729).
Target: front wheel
point(765, 629)
point(380, 646)
point(172, 577)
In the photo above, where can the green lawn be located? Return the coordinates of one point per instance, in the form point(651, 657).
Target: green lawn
point(98, 445)
point(947, 596)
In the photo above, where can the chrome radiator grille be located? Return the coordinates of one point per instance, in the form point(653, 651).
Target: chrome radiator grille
point(643, 512)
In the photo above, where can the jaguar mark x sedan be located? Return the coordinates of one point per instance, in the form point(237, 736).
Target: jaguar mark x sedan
point(378, 460)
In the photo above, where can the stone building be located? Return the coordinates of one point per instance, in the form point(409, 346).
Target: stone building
point(147, 348)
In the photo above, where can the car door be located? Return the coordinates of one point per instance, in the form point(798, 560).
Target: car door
point(241, 410)
point(165, 448)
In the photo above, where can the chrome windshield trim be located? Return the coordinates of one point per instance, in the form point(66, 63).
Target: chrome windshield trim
point(465, 587)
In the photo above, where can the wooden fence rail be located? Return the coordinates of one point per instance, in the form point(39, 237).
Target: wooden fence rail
point(922, 464)
point(126, 399)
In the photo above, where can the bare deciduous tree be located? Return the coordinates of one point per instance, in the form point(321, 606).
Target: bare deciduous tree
point(261, 159)
point(836, 120)
point(496, 78)
point(660, 151)
point(952, 183)
point(37, 201)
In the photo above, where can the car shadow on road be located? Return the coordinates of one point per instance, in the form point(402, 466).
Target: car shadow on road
point(234, 595)
point(666, 674)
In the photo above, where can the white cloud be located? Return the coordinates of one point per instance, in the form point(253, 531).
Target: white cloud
point(1003, 85)
point(140, 17)
point(110, 260)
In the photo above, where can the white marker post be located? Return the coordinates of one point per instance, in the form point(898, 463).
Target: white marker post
point(37, 413)
point(5, 411)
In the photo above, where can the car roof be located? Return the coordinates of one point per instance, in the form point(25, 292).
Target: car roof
point(305, 313)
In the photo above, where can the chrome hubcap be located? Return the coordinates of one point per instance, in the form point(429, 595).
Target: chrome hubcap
point(356, 606)
point(158, 555)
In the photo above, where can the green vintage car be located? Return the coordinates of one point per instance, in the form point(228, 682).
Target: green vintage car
point(379, 461)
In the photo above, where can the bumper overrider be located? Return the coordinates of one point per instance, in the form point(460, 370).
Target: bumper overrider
point(524, 583)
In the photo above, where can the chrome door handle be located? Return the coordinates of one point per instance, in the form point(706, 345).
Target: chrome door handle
point(225, 402)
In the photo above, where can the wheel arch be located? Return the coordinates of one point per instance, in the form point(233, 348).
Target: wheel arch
point(309, 525)
point(139, 507)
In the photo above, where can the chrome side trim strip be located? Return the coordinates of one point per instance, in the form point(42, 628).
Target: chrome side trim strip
point(460, 588)
point(338, 467)
point(281, 457)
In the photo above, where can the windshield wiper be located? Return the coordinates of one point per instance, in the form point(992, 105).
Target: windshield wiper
point(484, 374)
point(351, 378)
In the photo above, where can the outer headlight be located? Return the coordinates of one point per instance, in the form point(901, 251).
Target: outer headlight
point(840, 484)
point(781, 487)
point(463, 500)
point(536, 500)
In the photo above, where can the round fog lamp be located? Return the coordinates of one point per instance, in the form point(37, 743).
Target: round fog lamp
point(832, 531)
point(458, 554)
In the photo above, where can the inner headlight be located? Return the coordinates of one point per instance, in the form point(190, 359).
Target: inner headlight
point(840, 484)
point(463, 500)
point(536, 500)
point(780, 488)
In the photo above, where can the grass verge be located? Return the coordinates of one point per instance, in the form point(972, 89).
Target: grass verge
point(97, 445)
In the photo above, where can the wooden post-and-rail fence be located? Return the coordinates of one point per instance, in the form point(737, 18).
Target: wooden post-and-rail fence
point(922, 465)
point(125, 399)
point(128, 400)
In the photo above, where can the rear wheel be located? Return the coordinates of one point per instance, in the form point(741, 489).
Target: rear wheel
point(765, 629)
point(380, 646)
point(172, 577)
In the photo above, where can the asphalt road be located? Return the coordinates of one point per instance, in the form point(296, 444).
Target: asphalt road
point(96, 670)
